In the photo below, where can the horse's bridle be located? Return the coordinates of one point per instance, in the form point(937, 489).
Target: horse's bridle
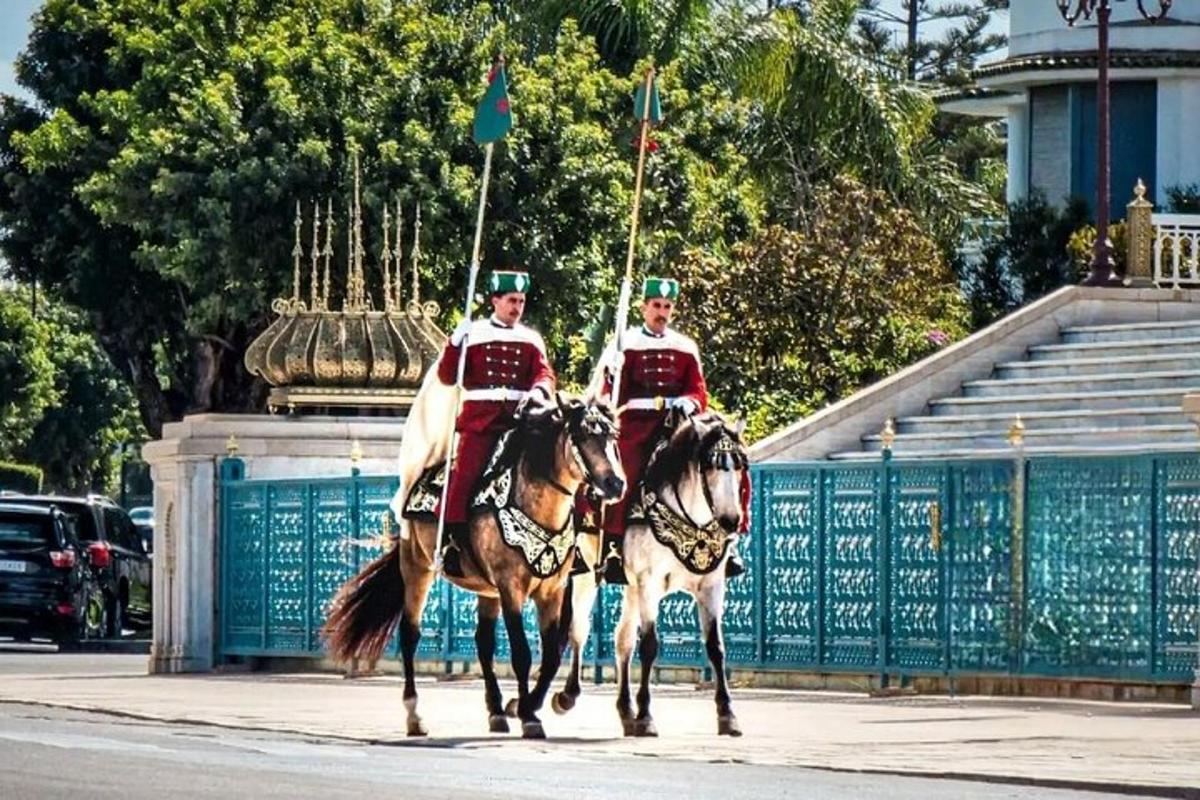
point(594, 423)
point(725, 455)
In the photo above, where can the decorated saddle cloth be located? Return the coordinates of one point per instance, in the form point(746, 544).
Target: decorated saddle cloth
point(544, 551)
point(699, 549)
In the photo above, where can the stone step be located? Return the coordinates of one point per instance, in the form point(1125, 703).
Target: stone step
point(1137, 331)
point(1007, 452)
point(997, 439)
point(1060, 352)
point(1078, 401)
point(1082, 384)
point(1036, 420)
point(1162, 362)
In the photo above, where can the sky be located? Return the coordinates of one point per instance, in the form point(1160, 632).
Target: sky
point(14, 28)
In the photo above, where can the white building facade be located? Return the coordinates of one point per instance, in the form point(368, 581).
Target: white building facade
point(1046, 91)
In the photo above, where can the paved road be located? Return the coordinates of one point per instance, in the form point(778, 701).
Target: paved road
point(51, 753)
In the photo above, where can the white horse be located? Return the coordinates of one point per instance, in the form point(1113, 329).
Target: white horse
point(677, 541)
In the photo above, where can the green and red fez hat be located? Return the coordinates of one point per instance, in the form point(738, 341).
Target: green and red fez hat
point(662, 288)
point(503, 281)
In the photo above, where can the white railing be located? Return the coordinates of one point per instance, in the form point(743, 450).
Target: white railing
point(1176, 249)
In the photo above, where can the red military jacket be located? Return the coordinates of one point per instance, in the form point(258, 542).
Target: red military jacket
point(657, 370)
point(503, 363)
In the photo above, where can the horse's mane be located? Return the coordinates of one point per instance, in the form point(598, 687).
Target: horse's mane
point(684, 447)
point(535, 438)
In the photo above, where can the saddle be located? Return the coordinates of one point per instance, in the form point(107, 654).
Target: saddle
point(544, 551)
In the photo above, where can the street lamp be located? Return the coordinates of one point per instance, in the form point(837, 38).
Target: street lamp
point(1072, 10)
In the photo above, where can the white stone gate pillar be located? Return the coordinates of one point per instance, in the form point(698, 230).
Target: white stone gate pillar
point(184, 465)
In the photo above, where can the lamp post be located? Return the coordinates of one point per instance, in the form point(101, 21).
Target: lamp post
point(1072, 11)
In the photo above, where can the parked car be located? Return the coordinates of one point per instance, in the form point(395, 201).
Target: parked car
point(47, 589)
point(116, 553)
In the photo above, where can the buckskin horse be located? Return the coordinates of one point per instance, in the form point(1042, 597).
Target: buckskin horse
point(519, 547)
point(677, 539)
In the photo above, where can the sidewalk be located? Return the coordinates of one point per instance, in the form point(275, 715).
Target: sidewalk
point(1047, 742)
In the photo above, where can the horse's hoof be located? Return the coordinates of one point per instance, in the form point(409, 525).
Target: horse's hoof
point(417, 728)
point(645, 727)
point(728, 726)
point(561, 702)
point(510, 709)
point(497, 723)
point(532, 730)
point(629, 726)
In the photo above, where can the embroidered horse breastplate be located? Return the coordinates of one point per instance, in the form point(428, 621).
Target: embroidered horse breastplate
point(699, 549)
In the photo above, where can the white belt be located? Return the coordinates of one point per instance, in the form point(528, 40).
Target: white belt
point(650, 403)
point(493, 394)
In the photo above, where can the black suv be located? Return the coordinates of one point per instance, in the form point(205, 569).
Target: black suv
point(116, 553)
point(47, 589)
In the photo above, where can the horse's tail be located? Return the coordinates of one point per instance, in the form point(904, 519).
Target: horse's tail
point(366, 611)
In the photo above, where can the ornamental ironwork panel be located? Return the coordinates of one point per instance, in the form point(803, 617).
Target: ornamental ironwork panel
point(789, 537)
point(916, 603)
point(979, 544)
point(243, 576)
point(850, 578)
point(336, 555)
point(1177, 547)
point(1088, 567)
point(287, 568)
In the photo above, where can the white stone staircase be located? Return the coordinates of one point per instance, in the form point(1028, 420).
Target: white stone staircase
point(1101, 388)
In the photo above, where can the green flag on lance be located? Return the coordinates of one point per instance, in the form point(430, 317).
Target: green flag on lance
point(493, 115)
point(653, 114)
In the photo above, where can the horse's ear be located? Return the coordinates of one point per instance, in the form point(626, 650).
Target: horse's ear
point(739, 427)
point(558, 398)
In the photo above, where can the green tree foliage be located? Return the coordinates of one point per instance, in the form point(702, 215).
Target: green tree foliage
point(20, 477)
point(155, 188)
point(84, 410)
point(963, 32)
point(793, 320)
point(26, 372)
point(1028, 260)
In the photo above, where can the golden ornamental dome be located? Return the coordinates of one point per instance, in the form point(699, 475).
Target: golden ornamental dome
point(358, 356)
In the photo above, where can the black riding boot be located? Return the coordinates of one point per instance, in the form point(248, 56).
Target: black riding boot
point(734, 565)
point(613, 565)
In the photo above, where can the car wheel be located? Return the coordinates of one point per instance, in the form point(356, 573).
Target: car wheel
point(116, 617)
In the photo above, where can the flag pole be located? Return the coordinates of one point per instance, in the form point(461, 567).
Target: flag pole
point(622, 316)
point(472, 277)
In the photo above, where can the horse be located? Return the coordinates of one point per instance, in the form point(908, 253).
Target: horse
point(677, 539)
point(548, 455)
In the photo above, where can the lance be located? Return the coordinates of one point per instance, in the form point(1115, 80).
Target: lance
point(493, 118)
point(645, 105)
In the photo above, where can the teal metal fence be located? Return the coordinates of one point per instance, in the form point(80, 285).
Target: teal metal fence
point(1060, 567)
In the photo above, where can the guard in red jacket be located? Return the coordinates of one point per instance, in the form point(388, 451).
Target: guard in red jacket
point(506, 368)
point(659, 371)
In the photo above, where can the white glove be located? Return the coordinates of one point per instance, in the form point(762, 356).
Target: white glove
point(538, 395)
point(686, 405)
point(460, 332)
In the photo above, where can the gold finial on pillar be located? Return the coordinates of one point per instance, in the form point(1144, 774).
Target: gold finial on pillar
point(231, 446)
point(297, 252)
point(327, 252)
point(314, 293)
point(1140, 237)
point(888, 434)
point(416, 257)
point(1016, 433)
point(385, 261)
point(398, 253)
point(356, 452)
